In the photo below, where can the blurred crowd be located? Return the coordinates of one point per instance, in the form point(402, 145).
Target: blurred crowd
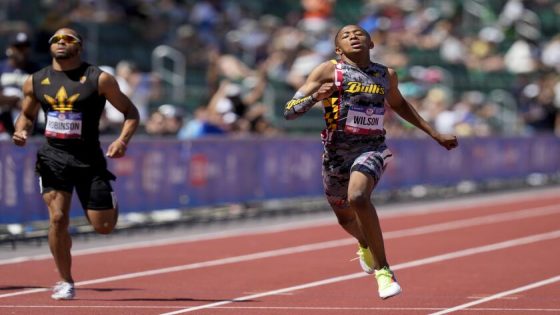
point(247, 58)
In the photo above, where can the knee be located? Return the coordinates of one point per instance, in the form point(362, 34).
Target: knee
point(103, 227)
point(344, 215)
point(59, 221)
point(103, 222)
point(359, 200)
point(346, 220)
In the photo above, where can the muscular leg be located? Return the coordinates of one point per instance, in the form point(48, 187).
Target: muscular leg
point(98, 194)
point(103, 221)
point(60, 241)
point(347, 219)
point(359, 198)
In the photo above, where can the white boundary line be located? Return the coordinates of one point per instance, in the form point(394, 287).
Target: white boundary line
point(420, 262)
point(500, 295)
point(446, 226)
point(295, 308)
point(404, 211)
point(467, 202)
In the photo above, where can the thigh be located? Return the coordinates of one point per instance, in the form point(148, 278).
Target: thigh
point(53, 171)
point(58, 203)
point(336, 190)
point(95, 191)
point(360, 184)
point(336, 175)
point(372, 164)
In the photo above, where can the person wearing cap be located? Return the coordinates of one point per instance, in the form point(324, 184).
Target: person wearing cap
point(73, 93)
point(14, 69)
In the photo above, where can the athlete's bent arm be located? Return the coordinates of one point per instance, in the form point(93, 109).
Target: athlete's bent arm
point(109, 88)
point(318, 86)
point(29, 109)
point(404, 109)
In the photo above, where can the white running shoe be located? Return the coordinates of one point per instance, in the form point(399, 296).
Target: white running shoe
point(63, 291)
point(387, 283)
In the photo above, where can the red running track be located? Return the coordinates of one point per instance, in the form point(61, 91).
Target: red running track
point(485, 255)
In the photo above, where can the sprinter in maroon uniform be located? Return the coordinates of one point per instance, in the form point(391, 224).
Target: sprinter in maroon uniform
point(354, 91)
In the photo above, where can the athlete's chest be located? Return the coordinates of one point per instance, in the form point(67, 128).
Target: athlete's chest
point(60, 92)
point(365, 87)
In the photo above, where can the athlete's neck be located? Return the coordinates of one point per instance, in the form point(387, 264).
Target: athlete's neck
point(66, 64)
point(360, 62)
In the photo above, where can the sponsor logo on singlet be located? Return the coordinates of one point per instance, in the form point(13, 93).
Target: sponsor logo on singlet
point(62, 123)
point(357, 87)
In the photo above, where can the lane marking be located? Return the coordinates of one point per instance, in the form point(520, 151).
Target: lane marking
point(419, 262)
point(389, 211)
point(440, 227)
point(204, 264)
point(500, 295)
point(476, 221)
point(295, 308)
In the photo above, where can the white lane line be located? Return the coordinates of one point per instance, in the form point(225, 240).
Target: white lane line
point(294, 308)
point(420, 262)
point(476, 221)
point(395, 211)
point(500, 295)
point(447, 226)
point(182, 239)
point(204, 264)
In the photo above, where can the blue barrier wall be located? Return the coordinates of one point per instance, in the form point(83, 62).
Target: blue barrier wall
point(160, 174)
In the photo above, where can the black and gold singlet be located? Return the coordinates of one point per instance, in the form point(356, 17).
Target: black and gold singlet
point(72, 106)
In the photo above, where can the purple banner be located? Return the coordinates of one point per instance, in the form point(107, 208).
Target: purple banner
point(160, 174)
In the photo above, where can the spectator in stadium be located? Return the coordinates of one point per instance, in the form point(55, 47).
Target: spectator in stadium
point(353, 91)
point(73, 93)
point(13, 72)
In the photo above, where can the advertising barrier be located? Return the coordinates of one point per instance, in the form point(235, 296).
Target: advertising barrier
point(162, 174)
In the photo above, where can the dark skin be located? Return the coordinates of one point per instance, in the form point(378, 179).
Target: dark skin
point(352, 45)
point(67, 56)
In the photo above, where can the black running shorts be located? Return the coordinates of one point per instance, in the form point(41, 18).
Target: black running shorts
point(60, 170)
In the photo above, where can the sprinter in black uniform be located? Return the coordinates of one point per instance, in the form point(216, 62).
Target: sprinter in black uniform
point(72, 94)
point(354, 91)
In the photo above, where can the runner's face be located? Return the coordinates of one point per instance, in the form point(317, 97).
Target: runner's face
point(353, 39)
point(65, 45)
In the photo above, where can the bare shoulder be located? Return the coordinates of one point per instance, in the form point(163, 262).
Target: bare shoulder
point(28, 85)
point(107, 82)
point(324, 72)
point(105, 77)
point(393, 76)
point(392, 72)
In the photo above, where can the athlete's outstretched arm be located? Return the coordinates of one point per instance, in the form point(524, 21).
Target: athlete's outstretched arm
point(402, 107)
point(29, 109)
point(318, 86)
point(109, 88)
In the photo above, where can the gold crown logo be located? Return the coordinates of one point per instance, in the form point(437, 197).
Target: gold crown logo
point(61, 101)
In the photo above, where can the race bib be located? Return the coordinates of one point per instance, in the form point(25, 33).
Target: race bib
point(363, 120)
point(67, 125)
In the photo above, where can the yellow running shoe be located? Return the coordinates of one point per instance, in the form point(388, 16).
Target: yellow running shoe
point(387, 283)
point(366, 259)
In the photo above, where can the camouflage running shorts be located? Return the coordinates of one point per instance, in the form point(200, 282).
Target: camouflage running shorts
point(342, 159)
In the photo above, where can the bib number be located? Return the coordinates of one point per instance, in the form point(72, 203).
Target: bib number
point(67, 125)
point(363, 120)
